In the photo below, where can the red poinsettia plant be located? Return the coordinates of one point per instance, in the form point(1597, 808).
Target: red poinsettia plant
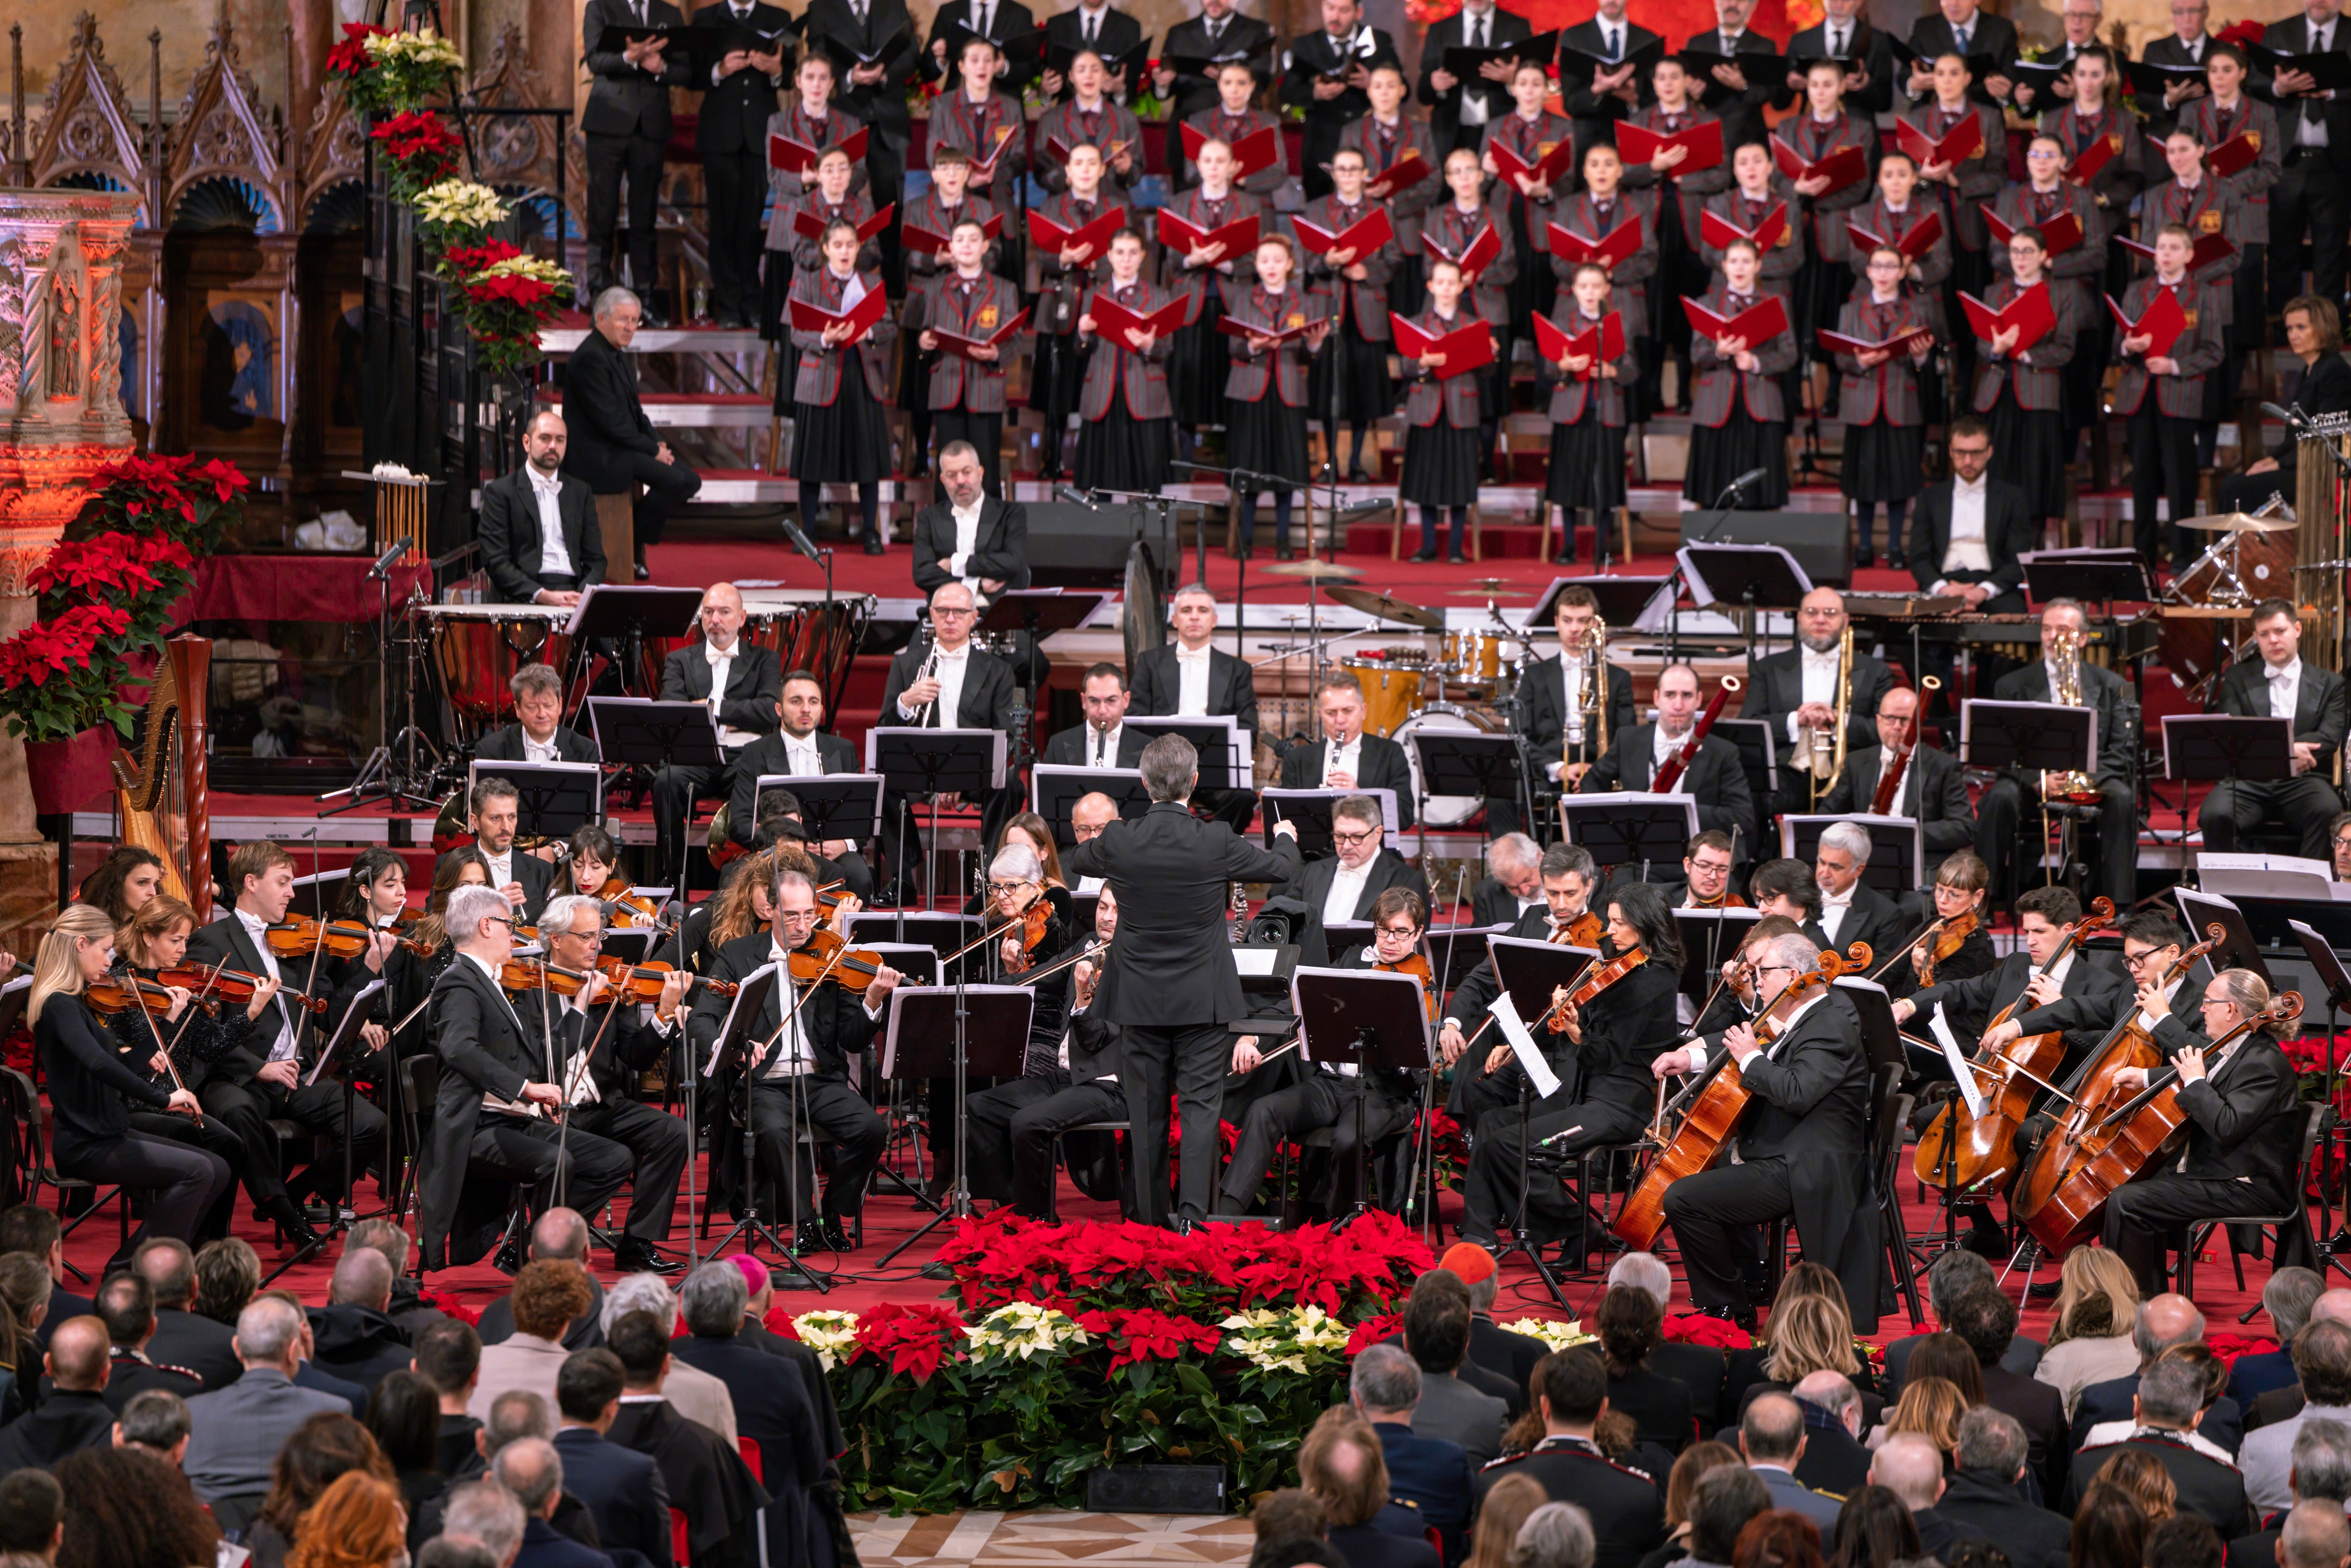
point(419, 151)
point(1145, 1333)
point(915, 1339)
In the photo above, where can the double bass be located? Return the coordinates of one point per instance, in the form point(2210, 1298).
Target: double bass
point(1965, 1153)
point(1721, 1099)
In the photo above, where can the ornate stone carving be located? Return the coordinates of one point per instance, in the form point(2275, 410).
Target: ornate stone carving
point(86, 126)
point(335, 151)
point(519, 152)
point(222, 130)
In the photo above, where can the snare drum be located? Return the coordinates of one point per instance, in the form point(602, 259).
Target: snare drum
point(1391, 693)
point(1473, 658)
point(1444, 810)
point(478, 648)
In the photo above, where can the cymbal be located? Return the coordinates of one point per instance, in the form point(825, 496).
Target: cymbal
point(1314, 567)
point(1387, 607)
point(2242, 523)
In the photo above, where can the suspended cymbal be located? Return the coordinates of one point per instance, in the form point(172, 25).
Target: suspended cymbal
point(2242, 523)
point(1371, 601)
point(1314, 567)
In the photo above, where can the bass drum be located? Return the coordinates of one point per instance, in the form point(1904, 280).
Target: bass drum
point(1444, 810)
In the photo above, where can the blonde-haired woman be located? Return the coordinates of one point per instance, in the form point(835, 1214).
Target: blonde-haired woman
point(2090, 1342)
point(92, 1090)
point(1932, 1407)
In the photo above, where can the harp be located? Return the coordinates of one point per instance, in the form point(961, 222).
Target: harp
point(160, 800)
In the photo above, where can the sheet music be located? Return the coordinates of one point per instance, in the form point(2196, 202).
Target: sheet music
point(1963, 1072)
point(1523, 1045)
point(727, 1027)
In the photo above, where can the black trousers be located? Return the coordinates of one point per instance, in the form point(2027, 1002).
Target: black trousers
point(2309, 206)
point(1491, 1192)
point(609, 158)
point(1190, 1061)
point(656, 1141)
point(318, 1108)
point(212, 1135)
point(2000, 815)
point(737, 184)
point(836, 1114)
point(2141, 1216)
point(984, 431)
point(1009, 1137)
point(2306, 803)
point(1318, 1100)
point(668, 487)
point(570, 1166)
point(182, 1183)
point(1715, 1215)
point(2163, 463)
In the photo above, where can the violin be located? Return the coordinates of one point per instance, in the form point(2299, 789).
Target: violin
point(1415, 964)
point(1584, 931)
point(1596, 980)
point(626, 910)
point(1721, 1097)
point(828, 957)
point(299, 935)
point(1950, 940)
point(1035, 921)
point(1725, 900)
point(119, 993)
point(643, 982)
point(530, 975)
point(214, 981)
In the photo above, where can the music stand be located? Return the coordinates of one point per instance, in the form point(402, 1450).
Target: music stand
point(627, 613)
point(1528, 971)
point(1881, 1037)
point(644, 735)
point(553, 801)
point(832, 805)
point(1455, 950)
point(317, 894)
point(955, 1031)
point(1753, 577)
point(1898, 847)
point(2089, 576)
point(1623, 601)
point(1374, 1018)
point(1759, 753)
point(2029, 737)
point(2228, 747)
point(1224, 747)
point(1462, 762)
point(1629, 827)
point(1310, 810)
point(2237, 949)
point(736, 1048)
point(1056, 788)
point(941, 932)
point(931, 762)
point(1264, 969)
point(633, 944)
point(1709, 938)
point(1036, 610)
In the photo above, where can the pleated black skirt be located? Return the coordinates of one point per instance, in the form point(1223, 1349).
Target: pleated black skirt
point(1269, 436)
point(1717, 456)
point(1440, 465)
point(1883, 461)
point(1055, 376)
point(1365, 392)
point(2028, 451)
point(1535, 288)
point(1198, 364)
point(1587, 464)
point(846, 441)
point(1120, 452)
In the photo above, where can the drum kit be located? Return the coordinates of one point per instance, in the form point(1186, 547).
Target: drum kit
point(2251, 559)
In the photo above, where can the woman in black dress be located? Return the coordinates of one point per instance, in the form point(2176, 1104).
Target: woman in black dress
point(1265, 391)
point(92, 1091)
point(1126, 435)
point(841, 431)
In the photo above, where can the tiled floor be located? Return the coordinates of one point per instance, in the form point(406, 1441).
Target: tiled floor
point(1040, 1536)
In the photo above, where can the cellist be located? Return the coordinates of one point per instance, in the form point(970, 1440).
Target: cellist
point(2078, 992)
point(1803, 1145)
point(1568, 874)
point(2244, 1129)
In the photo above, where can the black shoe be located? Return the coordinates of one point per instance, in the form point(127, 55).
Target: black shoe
point(2042, 1290)
point(657, 319)
point(1864, 563)
point(1283, 552)
point(1456, 558)
point(871, 540)
point(835, 1234)
point(1355, 475)
point(1988, 1242)
point(1744, 1316)
point(1425, 555)
point(640, 1258)
point(318, 1211)
point(510, 1257)
point(807, 1237)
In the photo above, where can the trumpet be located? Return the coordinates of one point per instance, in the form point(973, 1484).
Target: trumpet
point(929, 667)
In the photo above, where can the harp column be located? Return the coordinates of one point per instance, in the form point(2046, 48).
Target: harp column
point(61, 420)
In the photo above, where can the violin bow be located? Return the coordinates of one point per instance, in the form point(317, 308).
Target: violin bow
point(138, 998)
point(1928, 934)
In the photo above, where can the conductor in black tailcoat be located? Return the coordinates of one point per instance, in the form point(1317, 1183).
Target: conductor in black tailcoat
point(1171, 979)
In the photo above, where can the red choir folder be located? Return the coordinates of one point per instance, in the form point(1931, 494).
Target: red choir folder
point(1844, 166)
point(1402, 176)
point(1548, 169)
point(1090, 240)
point(1900, 343)
point(1605, 341)
point(808, 226)
point(1916, 241)
point(1474, 259)
point(1259, 150)
point(2162, 323)
point(2209, 248)
point(956, 344)
point(1758, 324)
point(1466, 348)
point(861, 316)
point(2094, 157)
point(1703, 140)
point(2063, 232)
point(1297, 324)
point(1609, 250)
point(2033, 313)
point(1362, 237)
point(799, 158)
point(1964, 141)
point(928, 244)
point(1716, 232)
point(1124, 328)
point(1183, 238)
point(2235, 156)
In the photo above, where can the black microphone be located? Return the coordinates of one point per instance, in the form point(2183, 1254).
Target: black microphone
point(383, 563)
point(1752, 476)
point(797, 537)
point(1074, 496)
point(2288, 415)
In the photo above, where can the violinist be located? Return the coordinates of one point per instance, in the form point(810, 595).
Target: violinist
point(800, 1075)
point(264, 1076)
point(1071, 1078)
point(2078, 992)
point(1715, 778)
point(1959, 895)
point(459, 868)
point(495, 1123)
point(1607, 1100)
point(198, 1032)
point(2338, 845)
point(1568, 875)
point(1803, 1144)
point(375, 897)
point(600, 1045)
point(1346, 884)
point(1930, 791)
point(1706, 874)
point(91, 1088)
point(590, 860)
point(1325, 1094)
point(2244, 1129)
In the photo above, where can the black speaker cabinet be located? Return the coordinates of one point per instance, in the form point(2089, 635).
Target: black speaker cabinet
point(1822, 542)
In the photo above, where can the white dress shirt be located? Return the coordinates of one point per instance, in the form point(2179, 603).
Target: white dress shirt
point(802, 758)
point(554, 558)
point(722, 663)
point(1969, 549)
point(791, 1055)
point(1102, 745)
point(2312, 130)
point(1571, 686)
point(501, 868)
point(1661, 747)
point(2147, 1020)
point(949, 672)
point(1835, 908)
point(540, 751)
point(967, 527)
point(283, 1048)
point(1612, 39)
point(2285, 688)
point(1346, 890)
point(1819, 672)
point(1192, 681)
point(1477, 32)
point(1347, 760)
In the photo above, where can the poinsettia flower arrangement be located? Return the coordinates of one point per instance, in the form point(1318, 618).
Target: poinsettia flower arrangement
point(418, 149)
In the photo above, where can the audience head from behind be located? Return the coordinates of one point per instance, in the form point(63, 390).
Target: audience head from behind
point(1474, 1267)
point(515, 1416)
point(639, 1293)
point(1681, 1481)
point(2332, 1307)
point(547, 1294)
point(2184, 1540)
point(126, 1305)
point(2109, 1526)
point(228, 1276)
point(2097, 1297)
point(269, 1335)
point(381, 1235)
point(359, 1521)
point(1632, 1325)
point(1910, 1465)
point(2142, 1476)
point(448, 1552)
point(1568, 1389)
point(24, 1290)
point(484, 1514)
point(1342, 1467)
point(560, 1236)
point(1643, 1271)
point(1771, 1432)
point(1950, 1277)
point(587, 1389)
point(77, 1359)
point(2320, 1468)
point(29, 1227)
point(362, 1278)
point(1722, 1503)
point(1289, 1514)
point(32, 1514)
point(125, 1508)
point(169, 1265)
point(640, 1341)
point(2288, 1299)
point(1436, 1318)
point(1873, 1529)
point(156, 1421)
point(531, 1469)
point(2315, 1535)
point(1984, 1319)
point(1932, 1407)
point(1777, 1538)
point(712, 1299)
point(448, 1355)
point(1993, 1444)
point(1809, 1334)
point(2163, 1321)
point(1509, 1503)
point(2322, 1361)
point(1385, 1384)
point(2172, 1394)
point(1947, 1357)
point(321, 1451)
point(403, 1416)
point(1556, 1535)
point(1833, 1393)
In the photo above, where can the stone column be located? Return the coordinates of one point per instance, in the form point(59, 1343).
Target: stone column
point(61, 420)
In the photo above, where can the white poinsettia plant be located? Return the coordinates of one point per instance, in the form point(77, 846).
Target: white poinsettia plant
point(1554, 1333)
point(461, 205)
point(1023, 1329)
point(1288, 1339)
point(424, 48)
point(830, 1334)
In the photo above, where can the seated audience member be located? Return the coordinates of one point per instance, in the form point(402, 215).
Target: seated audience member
point(1982, 1491)
point(1722, 1503)
point(1953, 1274)
point(1429, 1473)
point(1286, 1527)
point(408, 1309)
point(2171, 1393)
point(1985, 1320)
point(2091, 1339)
point(75, 1415)
point(2215, 1372)
point(2322, 1361)
point(1437, 1335)
point(1571, 1390)
point(803, 1360)
point(532, 1470)
point(317, 1454)
point(1556, 1535)
point(1834, 1460)
point(1507, 1504)
point(770, 1403)
point(2315, 1536)
point(1911, 1467)
point(2321, 1474)
point(1696, 1367)
point(1694, 1464)
point(1874, 1526)
point(183, 1337)
point(448, 1552)
point(448, 1355)
point(354, 1334)
point(2287, 1298)
point(548, 1296)
point(1340, 1466)
point(127, 1307)
point(516, 1416)
point(2333, 1306)
point(692, 1392)
point(125, 1508)
point(2185, 1541)
point(623, 1489)
point(703, 1473)
point(358, 1520)
point(1631, 1327)
point(1491, 1347)
point(32, 1515)
point(559, 1234)
point(308, 1373)
point(541, 541)
point(227, 1277)
point(485, 1516)
point(403, 1416)
point(30, 1228)
point(1772, 1437)
point(158, 1422)
point(2162, 1321)
point(236, 1433)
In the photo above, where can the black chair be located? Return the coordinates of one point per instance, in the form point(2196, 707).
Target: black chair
point(2294, 1218)
point(25, 1105)
point(1124, 1156)
point(1893, 1116)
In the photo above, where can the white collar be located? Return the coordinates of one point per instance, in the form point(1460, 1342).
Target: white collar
point(957, 654)
point(1202, 651)
point(492, 975)
point(2289, 672)
point(1970, 487)
point(1340, 868)
point(545, 483)
point(790, 739)
point(2163, 282)
point(1812, 654)
point(714, 652)
point(251, 922)
point(971, 511)
point(530, 739)
point(1873, 300)
point(1839, 900)
point(1207, 195)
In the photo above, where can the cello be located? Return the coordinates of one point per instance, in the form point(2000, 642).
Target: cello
point(1965, 1153)
point(1721, 1099)
point(2061, 1197)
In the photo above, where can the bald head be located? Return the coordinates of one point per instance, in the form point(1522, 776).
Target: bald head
point(1911, 1467)
point(2332, 1306)
point(1835, 1392)
point(531, 1469)
point(77, 1354)
point(2164, 1320)
point(363, 1279)
point(2315, 1536)
point(1092, 813)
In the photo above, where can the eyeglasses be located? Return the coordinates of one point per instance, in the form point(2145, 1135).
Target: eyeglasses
point(1000, 888)
point(937, 612)
point(1350, 839)
point(1403, 933)
point(500, 919)
point(1775, 968)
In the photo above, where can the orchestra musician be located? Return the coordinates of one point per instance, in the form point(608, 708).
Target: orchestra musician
point(1102, 740)
point(1607, 1100)
point(1932, 793)
point(2338, 840)
point(1788, 889)
point(800, 1047)
point(1346, 884)
point(539, 733)
point(1513, 883)
point(1325, 1095)
point(2244, 1129)
point(1959, 890)
point(2079, 992)
point(1554, 710)
point(1851, 910)
point(540, 541)
point(1797, 693)
point(1568, 881)
point(524, 877)
point(1968, 531)
point(1802, 1146)
point(1191, 678)
point(949, 684)
point(2314, 332)
point(599, 1046)
point(1346, 757)
point(1714, 779)
point(1706, 873)
point(798, 748)
point(975, 538)
point(740, 682)
point(2281, 684)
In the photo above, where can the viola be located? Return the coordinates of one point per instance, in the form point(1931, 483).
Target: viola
point(214, 980)
point(1978, 1154)
point(828, 957)
point(1596, 980)
point(300, 935)
point(1721, 1097)
point(1415, 964)
point(643, 982)
point(624, 909)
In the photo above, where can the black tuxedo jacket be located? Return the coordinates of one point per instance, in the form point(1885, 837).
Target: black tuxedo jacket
point(1445, 107)
point(604, 413)
point(1073, 748)
point(1595, 118)
point(2290, 36)
point(1717, 780)
point(1158, 685)
point(1542, 710)
point(1001, 554)
point(988, 689)
point(226, 941)
point(733, 115)
point(1776, 689)
point(477, 1034)
point(1012, 20)
point(2319, 714)
point(2167, 50)
point(1873, 919)
point(1381, 766)
point(1119, 33)
point(1388, 869)
point(622, 1042)
point(881, 104)
point(1491, 904)
point(1310, 56)
point(1931, 36)
point(1741, 113)
point(2101, 689)
point(1172, 964)
point(511, 541)
point(835, 1019)
point(1933, 793)
point(2009, 532)
point(624, 100)
point(1243, 36)
point(766, 755)
point(506, 746)
point(1869, 50)
point(2092, 995)
point(754, 682)
point(536, 878)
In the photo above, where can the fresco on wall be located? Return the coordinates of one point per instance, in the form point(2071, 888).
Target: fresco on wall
point(241, 345)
